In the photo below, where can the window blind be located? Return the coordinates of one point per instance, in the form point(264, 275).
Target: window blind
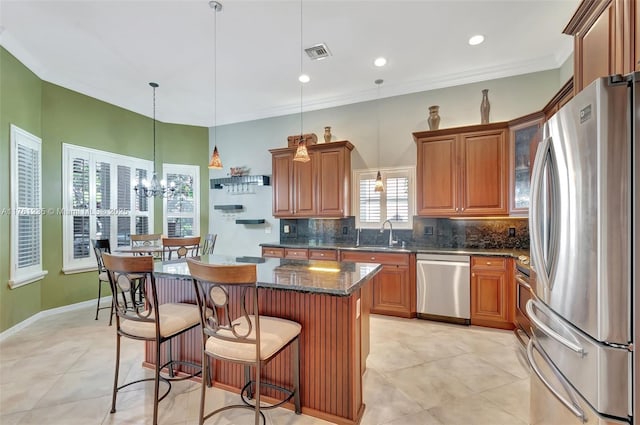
point(26, 212)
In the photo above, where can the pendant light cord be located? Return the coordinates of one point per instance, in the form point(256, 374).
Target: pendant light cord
point(378, 123)
point(301, 83)
point(216, 6)
point(154, 85)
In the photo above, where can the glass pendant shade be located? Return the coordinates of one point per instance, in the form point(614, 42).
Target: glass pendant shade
point(302, 155)
point(379, 187)
point(216, 162)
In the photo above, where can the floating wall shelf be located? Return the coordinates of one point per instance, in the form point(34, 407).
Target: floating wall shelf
point(250, 221)
point(228, 207)
point(237, 180)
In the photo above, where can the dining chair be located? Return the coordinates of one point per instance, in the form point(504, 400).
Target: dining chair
point(101, 246)
point(147, 321)
point(208, 244)
point(147, 240)
point(234, 331)
point(174, 248)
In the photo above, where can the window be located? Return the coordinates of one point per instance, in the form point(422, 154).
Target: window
point(182, 211)
point(396, 203)
point(26, 208)
point(99, 202)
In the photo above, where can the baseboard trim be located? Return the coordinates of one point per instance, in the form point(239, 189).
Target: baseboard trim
point(50, 312)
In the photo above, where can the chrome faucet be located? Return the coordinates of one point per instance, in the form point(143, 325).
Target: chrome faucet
point(391, 241)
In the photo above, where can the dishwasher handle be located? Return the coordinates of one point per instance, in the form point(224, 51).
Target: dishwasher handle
point(442, 263)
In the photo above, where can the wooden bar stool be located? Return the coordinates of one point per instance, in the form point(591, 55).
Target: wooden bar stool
point(148, 320)
point(174, 248)
point(101, 246)
point(237, 333)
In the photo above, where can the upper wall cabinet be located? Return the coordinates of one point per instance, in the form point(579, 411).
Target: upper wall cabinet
point(318, 188)
point(524, 135)
point(462, 171)
point(605, 39)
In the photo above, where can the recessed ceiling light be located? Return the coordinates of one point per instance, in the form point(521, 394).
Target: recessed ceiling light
point(476, 39)
point(304, 78)
point(380, 61)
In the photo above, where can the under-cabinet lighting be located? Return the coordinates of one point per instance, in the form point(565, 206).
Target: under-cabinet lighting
point(324, 269)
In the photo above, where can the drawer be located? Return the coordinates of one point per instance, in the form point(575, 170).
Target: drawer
point(300, 253)
point(273, 252)
point(498, 263)
point(323, 254)
point(376, 257)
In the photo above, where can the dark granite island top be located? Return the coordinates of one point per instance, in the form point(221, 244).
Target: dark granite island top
point(312, 276)
point(331, 300)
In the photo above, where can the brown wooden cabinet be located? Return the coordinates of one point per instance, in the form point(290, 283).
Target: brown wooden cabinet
point(272, 252)
point(524, 135)
point(462, 171)
point(492, 292)
point(318, 188)
point(605, 39)
point(393, 290)
point(561, 97)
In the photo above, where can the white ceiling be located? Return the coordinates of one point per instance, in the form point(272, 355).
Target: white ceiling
point(110, 50)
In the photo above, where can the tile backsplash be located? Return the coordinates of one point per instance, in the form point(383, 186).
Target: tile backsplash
point(427, 232)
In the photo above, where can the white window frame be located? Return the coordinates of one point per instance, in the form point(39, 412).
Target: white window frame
point(69, 152)
point(20, 277)
point(407, 171)
point(193, 170)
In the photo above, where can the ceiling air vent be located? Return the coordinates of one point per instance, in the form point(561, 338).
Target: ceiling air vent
point(317, 52)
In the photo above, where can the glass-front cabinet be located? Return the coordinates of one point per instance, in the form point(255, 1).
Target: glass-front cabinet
point(525, 134)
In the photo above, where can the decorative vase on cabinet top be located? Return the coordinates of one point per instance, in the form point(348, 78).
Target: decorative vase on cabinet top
point(434, 118)
point(327, 134)
point(485, 107)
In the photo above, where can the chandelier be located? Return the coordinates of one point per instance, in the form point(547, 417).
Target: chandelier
point(154, 188)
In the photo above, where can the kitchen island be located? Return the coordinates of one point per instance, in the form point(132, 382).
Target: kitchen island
point(329, 299)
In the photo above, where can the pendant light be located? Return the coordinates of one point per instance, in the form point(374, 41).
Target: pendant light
point(216, 162)
point(154, 188)
point(302, 155)
point(379, 187)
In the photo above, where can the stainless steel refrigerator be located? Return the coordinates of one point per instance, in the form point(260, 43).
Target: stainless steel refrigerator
point(584, 253)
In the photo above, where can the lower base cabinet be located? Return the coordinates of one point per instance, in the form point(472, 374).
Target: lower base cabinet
point(393, 289)
point(492, 292)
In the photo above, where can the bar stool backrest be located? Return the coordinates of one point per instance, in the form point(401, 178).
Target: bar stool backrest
point(216, 286)
point(101, 246)
point(174, 248)
point(154, 239)
point(208, 244)
point(124, 272)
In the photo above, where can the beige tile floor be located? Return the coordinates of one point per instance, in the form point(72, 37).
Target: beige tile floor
point(59, 371)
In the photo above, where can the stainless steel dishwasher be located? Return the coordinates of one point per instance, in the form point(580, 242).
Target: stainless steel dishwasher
point(444, 288)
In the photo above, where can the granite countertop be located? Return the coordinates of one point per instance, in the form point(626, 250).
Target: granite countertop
point(310, 276)
point(498, 252)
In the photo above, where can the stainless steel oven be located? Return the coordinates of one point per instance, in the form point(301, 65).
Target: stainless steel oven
point(523, 294)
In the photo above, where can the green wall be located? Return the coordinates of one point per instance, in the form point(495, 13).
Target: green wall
point(59, 115)
point(20, 104)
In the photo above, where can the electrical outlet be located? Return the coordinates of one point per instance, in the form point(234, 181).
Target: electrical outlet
point(345, 230)
point(286, 228)
point(428, 230)
point(512, 232)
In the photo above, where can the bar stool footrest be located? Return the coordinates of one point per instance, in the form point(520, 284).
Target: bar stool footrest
point(289, 393)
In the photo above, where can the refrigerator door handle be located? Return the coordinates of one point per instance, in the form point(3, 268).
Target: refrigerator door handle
point(536, 210)
point(569, 404)
point(550, 332)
